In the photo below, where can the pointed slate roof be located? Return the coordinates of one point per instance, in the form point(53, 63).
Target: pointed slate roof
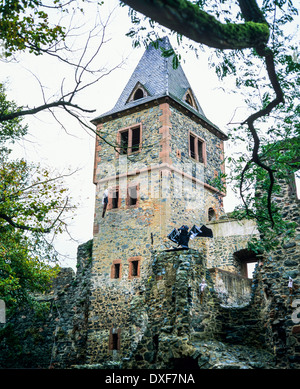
point(159, 79)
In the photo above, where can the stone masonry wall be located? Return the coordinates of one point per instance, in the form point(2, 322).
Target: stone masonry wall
point(279, 306)
point(173, 326)
point(231, 288)
point(230, 236)
point(131, 232)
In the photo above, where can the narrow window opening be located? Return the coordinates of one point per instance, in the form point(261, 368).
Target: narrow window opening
point(197, 148)
point(134, 268)
point(117, 270)
point(136, 138)
point(115, 199)
point(200, 151)
point(192, 146)
point(115, 341)
point(124, 142)
point(132, 196)
point(139, 94)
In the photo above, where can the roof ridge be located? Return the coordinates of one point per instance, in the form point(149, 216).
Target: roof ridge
point(157, 75)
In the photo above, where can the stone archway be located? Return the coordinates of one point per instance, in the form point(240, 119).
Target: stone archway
point(245, 261)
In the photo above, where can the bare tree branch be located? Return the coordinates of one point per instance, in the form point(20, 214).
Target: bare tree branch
point(32, 111)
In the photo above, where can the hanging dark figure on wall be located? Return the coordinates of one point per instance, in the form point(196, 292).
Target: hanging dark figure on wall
point(104, 201)
point(183, 235)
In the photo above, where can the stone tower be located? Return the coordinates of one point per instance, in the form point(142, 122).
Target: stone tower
point(158, 156)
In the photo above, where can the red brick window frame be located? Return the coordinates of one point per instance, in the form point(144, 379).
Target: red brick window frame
point(129, 140)
point(134, 267)
point(116, 269)
point(114, 198)
point(114, 342)
point(197, 148)
point(132, 198)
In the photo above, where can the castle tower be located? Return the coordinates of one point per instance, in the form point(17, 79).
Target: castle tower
point(158, 157)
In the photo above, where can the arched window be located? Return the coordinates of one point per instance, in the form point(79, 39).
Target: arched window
point(138, 94)
point(211, 214)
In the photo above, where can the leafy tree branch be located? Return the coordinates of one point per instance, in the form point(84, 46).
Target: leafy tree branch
point(188, 19)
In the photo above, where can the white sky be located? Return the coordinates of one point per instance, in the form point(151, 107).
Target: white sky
point(73, 148)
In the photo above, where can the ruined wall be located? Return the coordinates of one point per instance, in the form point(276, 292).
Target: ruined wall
point(231, 288)
point(173, 326)
point(230, 236)
point(166, 323)
point(279, 309)
point(167, 316)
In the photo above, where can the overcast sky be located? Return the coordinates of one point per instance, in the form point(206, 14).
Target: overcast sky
point(71, 148)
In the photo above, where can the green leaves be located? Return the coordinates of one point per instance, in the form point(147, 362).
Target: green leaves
point(10, 130)
point(25, 25)
point(32, 203)
point(21, 272)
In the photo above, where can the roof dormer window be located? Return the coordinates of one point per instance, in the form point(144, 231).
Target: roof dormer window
point(138, 94)
point(189, 98)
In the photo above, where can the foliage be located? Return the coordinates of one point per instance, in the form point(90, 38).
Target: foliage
point(284, 159)
point(10, 130)
point(25, 25)
point(29, 198)
point(22, 272)
point(32, 205)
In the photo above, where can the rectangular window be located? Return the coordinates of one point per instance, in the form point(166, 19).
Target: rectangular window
point(200, 150)
point(116, 268)
point(124, 142)
point(134, 267)
point(129, 139)
point(115, 199)
point(114, 339)
point(136, 138)
point(297, 184)
point(192, 147)
point(132, 198)
point(197, 149)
